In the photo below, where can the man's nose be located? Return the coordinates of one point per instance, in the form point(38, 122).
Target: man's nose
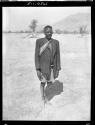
point(49, 33)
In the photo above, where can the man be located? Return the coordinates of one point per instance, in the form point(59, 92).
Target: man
point(47, 59)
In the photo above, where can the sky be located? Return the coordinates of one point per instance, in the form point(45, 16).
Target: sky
point(19, 18)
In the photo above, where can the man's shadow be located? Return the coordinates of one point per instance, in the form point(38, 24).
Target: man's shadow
point(54, 89)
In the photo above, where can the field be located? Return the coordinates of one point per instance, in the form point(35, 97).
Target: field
point(21, 87)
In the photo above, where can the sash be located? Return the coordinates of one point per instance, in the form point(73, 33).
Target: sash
point(42, 49)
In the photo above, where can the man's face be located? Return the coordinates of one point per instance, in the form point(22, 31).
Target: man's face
point(48, 33)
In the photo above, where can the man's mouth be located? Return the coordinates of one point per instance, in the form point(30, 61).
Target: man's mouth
point(49, 35)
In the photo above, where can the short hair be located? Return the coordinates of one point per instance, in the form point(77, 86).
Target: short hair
point(48, 26)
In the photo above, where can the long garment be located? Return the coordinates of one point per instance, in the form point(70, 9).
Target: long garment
point(50, 56)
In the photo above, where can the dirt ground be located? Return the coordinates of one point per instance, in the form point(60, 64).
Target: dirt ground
point(21, 87)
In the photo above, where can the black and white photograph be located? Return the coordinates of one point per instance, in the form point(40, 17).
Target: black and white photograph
point(46, 63)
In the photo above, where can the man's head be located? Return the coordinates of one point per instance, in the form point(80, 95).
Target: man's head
point(48, 31)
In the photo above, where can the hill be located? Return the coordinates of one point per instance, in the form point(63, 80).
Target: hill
point(74, 22)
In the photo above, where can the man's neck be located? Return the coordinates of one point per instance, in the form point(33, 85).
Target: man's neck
point(48, 39)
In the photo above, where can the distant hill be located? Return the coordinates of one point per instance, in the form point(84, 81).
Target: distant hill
point(70, 23)
point(74, 22)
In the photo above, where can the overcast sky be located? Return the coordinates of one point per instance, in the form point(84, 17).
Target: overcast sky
point(19, 18)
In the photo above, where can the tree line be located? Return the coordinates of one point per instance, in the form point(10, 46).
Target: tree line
point(33, 25)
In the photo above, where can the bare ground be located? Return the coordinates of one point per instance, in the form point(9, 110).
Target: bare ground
point(21, 87)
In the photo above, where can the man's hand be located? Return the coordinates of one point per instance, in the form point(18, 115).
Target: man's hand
point(39, 74)
point(57, 73)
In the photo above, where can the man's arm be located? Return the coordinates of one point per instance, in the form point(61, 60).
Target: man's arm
point(58, 65)
point(58, 57)
point(37, 64)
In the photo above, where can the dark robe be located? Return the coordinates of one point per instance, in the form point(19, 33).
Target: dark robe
point(44, 61)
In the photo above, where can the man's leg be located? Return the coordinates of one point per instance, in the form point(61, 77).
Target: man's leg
point(42, 88)
point(51, 80)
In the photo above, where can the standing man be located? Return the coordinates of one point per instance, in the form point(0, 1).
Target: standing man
point(47, 59)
